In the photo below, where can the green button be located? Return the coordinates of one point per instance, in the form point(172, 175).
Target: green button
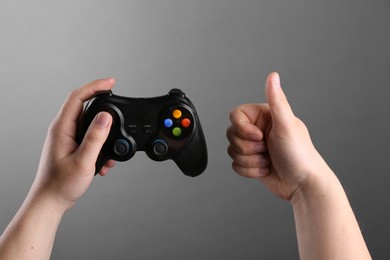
point(176, 131)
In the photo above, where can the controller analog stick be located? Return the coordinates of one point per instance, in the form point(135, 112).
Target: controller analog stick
point(160, 147)
point(121, 147)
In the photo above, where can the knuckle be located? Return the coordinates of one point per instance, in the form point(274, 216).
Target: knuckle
point(229, 132)
point(74, 93)
point(92, 138)
point(53, 126)
point(244, 149)
point(233, 154)
point(80, 163)
point(234, 112)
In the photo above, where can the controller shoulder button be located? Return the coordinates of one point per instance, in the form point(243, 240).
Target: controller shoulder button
point(103, 93)
point(176, 92)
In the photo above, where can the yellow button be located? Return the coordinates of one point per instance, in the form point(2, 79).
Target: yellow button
point(176, 113)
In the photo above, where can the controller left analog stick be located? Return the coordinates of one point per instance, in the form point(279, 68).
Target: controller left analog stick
point(122, 147)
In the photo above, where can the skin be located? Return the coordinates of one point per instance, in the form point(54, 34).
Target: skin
point(269, 143)
point(65, 172)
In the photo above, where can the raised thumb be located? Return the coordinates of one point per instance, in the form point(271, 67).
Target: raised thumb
point(280, 109)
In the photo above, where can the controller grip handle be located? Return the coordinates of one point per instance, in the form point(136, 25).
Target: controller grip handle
point(100, 161)
point(192, 161)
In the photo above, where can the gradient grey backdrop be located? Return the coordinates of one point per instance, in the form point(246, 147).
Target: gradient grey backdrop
point(334, 60)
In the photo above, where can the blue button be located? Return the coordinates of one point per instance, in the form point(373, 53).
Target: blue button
point(168, 123)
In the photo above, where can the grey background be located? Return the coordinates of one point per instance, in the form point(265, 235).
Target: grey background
point(334, 60)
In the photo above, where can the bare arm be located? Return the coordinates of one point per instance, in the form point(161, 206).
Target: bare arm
point(31, 233)
point(65, 172)
point(269, 143)
point(325, 223)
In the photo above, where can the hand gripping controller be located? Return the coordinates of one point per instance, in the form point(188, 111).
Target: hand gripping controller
point(165, 127)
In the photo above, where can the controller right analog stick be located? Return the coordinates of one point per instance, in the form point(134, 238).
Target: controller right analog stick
point(160, 147)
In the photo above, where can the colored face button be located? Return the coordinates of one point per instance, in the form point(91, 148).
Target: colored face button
point(176, 131)
point(176, 113)
point(186, 122)
point(168, 123)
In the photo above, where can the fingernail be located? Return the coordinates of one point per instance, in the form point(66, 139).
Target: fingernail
point(276, 80)
point(103, 119)
point(256, 137)
point(260, 147)
point(264, 171)
point(110, 80)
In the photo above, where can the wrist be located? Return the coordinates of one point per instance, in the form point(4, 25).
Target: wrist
point(31, 233)
point(319, 182)
point(325, 223)
point(49, 201)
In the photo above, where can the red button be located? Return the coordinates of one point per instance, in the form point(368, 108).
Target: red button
point(186, 122)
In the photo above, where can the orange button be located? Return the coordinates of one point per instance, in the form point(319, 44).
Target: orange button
point(186, 122)
point(176, 113)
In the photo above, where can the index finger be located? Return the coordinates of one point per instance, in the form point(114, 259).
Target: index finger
point(71, 109)
point(248, 121)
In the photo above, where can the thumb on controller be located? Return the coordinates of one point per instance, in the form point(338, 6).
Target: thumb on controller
point(95, 137)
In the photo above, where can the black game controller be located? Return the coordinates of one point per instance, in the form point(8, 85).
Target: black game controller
point(165, 127)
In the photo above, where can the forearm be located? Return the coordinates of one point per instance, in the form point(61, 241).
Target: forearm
point(326, 225)
point(31, 233)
